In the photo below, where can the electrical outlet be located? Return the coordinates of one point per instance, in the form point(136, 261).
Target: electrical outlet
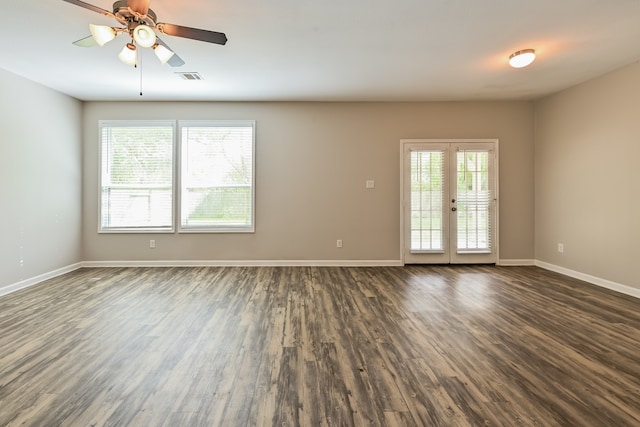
point(152, 244)
point(561, 248)
point(369, 184)
point(338, 243)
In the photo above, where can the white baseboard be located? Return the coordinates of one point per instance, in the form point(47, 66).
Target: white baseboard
point(516, 262)
point(246, 263)
point(624, 289)
point(205, 263)
point(618, 287)
point(40, 278)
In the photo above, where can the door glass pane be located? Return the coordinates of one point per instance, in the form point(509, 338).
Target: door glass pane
point(473, 202)
point(427, 173)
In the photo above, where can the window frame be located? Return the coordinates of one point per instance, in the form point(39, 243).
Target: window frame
point(176, 177)
point(132, 124)
point(215, 229)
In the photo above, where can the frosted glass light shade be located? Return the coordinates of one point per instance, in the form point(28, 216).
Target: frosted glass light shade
point(162, 53)
point(102, 34)
point(522, 58)
point(144, 36)
point(128, 55)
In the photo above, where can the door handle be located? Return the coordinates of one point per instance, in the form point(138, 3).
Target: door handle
point(453, 209)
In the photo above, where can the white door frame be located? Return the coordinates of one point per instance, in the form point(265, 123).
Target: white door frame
point(403, 202)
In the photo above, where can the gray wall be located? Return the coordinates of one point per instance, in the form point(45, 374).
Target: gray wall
point(40, 180)
point(587, 166)
point(312, 163)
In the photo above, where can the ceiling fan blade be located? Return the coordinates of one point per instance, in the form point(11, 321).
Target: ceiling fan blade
point(139, 6)
point(91, 7)
point(175, 60)
point(192, 33)
point(88, 41)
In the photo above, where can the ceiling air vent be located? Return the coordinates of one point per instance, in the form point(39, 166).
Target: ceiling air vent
point(190, 76)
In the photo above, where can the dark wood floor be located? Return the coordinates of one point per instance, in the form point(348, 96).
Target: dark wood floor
point(416, 346)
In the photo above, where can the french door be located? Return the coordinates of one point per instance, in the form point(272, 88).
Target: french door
point(449, 201)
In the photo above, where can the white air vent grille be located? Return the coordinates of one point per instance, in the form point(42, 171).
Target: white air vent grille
point(190, 76)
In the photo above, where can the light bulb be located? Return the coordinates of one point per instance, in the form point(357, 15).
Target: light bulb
point(128, 55)
point(102, 34)
point(144, 36)
point(162, 53)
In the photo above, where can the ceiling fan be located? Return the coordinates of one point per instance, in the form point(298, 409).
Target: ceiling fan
point(141, 24)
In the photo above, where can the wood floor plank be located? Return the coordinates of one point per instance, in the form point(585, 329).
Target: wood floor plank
point(327, 346)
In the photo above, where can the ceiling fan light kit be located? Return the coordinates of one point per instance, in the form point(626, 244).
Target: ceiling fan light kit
point(140, 23)
point(162, 53)
point(129, 55)
point(102, 34)
point(144, 36)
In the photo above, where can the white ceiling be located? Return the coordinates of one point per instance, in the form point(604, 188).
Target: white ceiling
point(331, 50)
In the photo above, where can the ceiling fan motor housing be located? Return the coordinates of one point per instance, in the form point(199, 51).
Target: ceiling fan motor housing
point(126, 16)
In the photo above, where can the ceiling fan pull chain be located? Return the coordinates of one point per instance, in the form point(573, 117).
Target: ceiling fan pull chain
point(140, 61)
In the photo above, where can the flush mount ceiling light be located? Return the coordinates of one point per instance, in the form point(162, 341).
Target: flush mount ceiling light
point(522, 58)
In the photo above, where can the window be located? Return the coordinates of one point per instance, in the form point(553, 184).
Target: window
point(136, 176)
point(213, 168)
point(216, 176)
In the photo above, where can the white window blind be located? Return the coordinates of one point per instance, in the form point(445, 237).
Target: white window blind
point(474, 201)
point(136, 176)
point(217, 176)
point(427, 193)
